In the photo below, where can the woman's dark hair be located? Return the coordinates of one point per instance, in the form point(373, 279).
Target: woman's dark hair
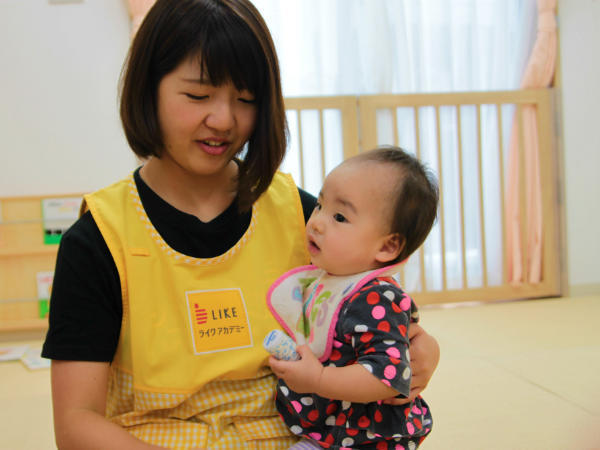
point(232, 43)
point(415, 197)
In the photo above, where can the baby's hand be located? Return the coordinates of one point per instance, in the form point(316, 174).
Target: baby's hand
point(301, 376)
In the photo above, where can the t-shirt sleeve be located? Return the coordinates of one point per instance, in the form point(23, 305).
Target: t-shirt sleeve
point(85, 303)
point(377, 319)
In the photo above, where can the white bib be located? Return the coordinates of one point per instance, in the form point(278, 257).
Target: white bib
point(306, 302)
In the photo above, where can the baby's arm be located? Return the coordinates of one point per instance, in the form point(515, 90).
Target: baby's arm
point(352, 383)
point(376, 321)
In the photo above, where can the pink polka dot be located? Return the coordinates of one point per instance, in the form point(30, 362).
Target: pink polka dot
point(315, 436)
point(393, 352)
point(297, 406)
point(337, 344)
point(378, 312)
point(416, 410)
point(405, 304)
point(386, 382)
point(389, 372)
point(399, 447)
point(411, 428)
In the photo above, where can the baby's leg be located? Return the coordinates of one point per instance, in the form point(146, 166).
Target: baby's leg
point(305, 444)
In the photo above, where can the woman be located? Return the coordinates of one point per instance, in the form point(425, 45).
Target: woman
point(158, 304)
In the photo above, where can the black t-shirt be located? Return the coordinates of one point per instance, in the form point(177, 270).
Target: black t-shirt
point(86, 304)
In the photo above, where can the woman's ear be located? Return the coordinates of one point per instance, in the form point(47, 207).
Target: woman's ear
point(391, 246)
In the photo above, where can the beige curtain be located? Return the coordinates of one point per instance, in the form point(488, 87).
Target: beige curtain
point(137, 11)
point(538, 74)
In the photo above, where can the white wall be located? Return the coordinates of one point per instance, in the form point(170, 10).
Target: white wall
point(60, 130)
point(59, 125)
point(579, 31)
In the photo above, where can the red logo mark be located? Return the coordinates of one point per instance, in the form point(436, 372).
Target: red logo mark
point(201, 314)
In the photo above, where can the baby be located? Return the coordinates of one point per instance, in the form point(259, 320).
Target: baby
point(348, 316)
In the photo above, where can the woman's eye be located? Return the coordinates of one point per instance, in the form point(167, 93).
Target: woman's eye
point(249, 101)
point(196, 97)
point(339, 218)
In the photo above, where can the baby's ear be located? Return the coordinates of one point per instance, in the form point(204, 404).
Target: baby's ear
point(391, 246)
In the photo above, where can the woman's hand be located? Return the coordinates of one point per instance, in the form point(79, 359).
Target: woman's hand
point(424, 358)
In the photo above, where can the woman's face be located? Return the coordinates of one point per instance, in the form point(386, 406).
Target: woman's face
point(203, 126)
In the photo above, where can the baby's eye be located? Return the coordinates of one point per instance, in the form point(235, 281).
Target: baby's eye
point(339, 218)
point(318, 206)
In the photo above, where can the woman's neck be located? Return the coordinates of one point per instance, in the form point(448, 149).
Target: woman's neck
point(205, 197)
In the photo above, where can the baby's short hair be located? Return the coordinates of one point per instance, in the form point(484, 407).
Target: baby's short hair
point(414, 199)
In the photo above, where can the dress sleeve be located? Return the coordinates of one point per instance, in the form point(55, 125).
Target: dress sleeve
point(377, 320)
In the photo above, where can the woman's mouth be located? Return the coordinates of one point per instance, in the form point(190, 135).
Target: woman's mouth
point(213, 147)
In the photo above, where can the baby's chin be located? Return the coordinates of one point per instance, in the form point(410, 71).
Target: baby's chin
point(346, 271)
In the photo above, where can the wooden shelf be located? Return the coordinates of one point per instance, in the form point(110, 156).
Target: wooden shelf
point(28, 251)
point(8, 326)
point(23, 257)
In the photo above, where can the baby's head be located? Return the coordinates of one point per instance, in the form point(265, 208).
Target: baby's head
point(374, 209)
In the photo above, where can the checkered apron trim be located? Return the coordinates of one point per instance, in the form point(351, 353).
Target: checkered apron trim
point(224, 414)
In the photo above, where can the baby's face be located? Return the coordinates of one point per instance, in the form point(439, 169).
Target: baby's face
point(348, 231)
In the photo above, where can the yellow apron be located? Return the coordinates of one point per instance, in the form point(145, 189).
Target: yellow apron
point(190, 370)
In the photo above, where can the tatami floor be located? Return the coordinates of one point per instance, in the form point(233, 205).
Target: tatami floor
point(514, 375)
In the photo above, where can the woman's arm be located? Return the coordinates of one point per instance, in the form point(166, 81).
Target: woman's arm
point(79, 402)
point(351, 383)
point(424, 358)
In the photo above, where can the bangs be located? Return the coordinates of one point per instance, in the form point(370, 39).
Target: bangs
point(227, 50)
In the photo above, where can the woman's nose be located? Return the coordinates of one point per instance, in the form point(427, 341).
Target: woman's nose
point(221, 116)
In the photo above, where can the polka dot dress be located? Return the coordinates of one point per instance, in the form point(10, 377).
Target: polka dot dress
point(372, 330)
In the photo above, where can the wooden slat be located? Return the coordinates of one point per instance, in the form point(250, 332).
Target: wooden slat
point(481, 206)
point(438, 133)
point(461, 197)
point(322, 144)
point(502, 191)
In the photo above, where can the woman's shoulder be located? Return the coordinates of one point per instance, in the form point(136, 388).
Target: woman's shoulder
point(308, 201)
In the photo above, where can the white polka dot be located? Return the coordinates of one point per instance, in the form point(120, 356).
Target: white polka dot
point(370, 435)
point(407, 355)
point(368, 367)
point(406, 373)
point(346, 405)
point(348, 442)
point(389, 341)
point(389, 295)
point(285, 390)
point(307, 401)
point(296, 429)
point(330, 421)
point(412, 445)
point(361, 328)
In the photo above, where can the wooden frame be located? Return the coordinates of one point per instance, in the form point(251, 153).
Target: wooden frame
point(365, 130)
